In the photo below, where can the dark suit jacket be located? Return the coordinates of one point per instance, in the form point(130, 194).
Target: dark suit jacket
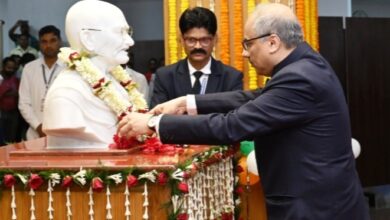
point(174, 81)
point(300, 124)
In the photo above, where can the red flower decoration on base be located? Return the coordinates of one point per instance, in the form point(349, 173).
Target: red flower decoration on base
point(9, 180)
point(97, 184)
point(131, 180)
point(154, 145)
point(183, 187)
point(182, 216)
point(67, 181)
point(162, 178)
point(123, 143)
point(35, 181)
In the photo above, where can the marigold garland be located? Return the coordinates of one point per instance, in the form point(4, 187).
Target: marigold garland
point(172, 32)
point(306, 11)
point(252, 75)
point(300, 12)
point(314, 24)
point(224, 37)
point(237, 35)
point(184, 4)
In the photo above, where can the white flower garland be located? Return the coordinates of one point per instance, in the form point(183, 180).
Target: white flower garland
point(117, 178)
point(127, 202)
point(32, 205)
point(102, 86)
point(50, 208)
point(91, 203)
point(68, 204)
point(13, 203)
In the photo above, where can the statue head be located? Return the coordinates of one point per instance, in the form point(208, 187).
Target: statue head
point(100, 29)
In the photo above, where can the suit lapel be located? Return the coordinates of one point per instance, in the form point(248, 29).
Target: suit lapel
point(215, 77)
point(182, 79)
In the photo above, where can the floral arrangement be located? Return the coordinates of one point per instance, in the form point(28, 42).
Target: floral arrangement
point(102, 86)
point(187, 182)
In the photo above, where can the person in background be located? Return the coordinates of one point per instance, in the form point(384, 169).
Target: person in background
point(139, 78)
point(24, 28)
point(299, 122)
point(162, 62)
point(17, 59)
point(23, 47)
point(9, 119)
point(26, 58)
point(152, 67)
point(37, 77)
point(199, 72)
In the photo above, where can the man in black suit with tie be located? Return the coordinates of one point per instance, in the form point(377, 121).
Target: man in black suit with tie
point(199, 72)
point(299, 121)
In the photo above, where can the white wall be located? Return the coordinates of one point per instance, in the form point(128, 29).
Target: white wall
point(339, 8)
point(146, 16)
point(373, 8)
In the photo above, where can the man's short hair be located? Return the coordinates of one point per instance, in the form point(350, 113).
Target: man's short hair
point(198, 17)
point(50, 29)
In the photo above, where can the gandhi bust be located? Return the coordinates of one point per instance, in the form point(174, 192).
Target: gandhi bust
point(74, 117)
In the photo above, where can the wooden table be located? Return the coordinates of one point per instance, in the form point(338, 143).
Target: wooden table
point(32, 155)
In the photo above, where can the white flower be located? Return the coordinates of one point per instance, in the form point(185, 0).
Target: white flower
point(80, 176)
point(178, 174)
point(238, 201)
point(55, 178)
point(151, 176)
point(64, 54)
point(106, 92)
point(116, 177)
point(22, 178)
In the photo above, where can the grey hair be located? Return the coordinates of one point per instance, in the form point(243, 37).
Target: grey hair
point(288, 30)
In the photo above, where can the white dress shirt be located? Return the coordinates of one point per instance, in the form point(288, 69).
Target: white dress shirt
point(206, 70)
point(36, 79)
point(20, 51)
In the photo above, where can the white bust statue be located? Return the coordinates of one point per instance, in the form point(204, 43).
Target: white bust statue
point(73, 116)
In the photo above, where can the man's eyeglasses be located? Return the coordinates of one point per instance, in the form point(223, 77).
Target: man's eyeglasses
point(129, 31)
point(204, 41)
point(245, 42)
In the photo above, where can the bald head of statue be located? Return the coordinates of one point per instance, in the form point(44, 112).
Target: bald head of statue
point(100, 29)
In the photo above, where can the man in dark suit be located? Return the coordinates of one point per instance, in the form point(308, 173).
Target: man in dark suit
point(198, 27)
point(299, 121)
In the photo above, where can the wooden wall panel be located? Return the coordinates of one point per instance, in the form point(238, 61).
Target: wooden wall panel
point(368, 80)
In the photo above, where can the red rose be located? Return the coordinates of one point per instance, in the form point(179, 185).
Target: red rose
point(9, 180)
point(183, 187)
point(67, 181)
point(239, 169)
point(239, 190)
point(35, 181)
point(131, 181)
point(162, 178)
point(182, 216)
point(123, 142)
point(227, 216)
point(74, 56)
point(97, 184)
point(186, 174)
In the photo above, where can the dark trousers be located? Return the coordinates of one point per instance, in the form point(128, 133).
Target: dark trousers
point(9, 126)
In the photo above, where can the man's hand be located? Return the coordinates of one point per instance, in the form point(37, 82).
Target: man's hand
point(134, 124)
point(176, 106)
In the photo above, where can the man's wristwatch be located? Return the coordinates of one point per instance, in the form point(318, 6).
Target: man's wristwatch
point(152, 123)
